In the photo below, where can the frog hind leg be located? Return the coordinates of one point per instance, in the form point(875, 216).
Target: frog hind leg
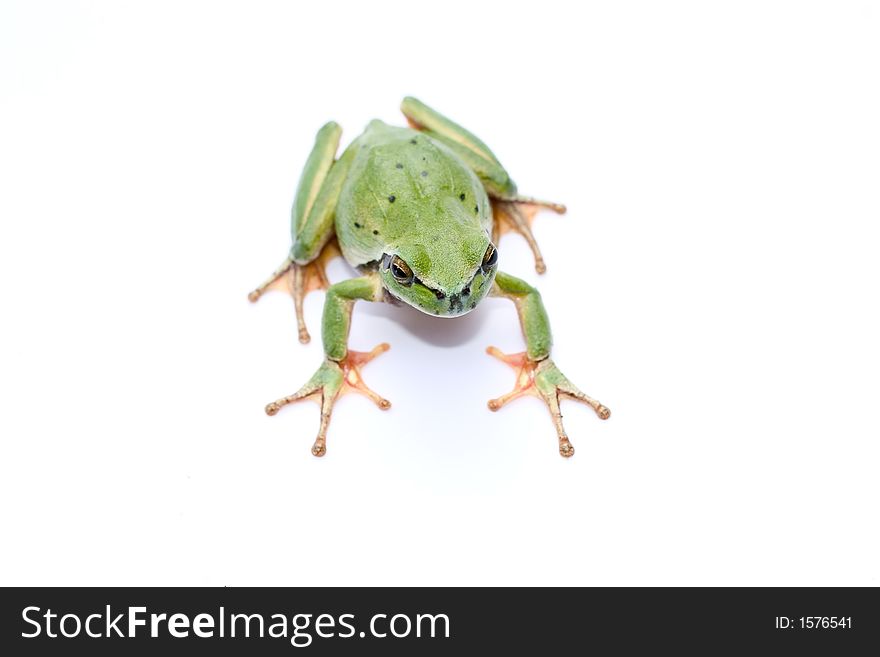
point(536, 373)
point(341, 370)
point(297, 281)
point(516, 215)
point(304, 270)
point(512, 212)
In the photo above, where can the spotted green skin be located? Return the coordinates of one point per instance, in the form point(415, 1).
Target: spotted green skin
point(409, 195)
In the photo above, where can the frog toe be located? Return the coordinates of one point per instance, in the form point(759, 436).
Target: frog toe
point(566, 449)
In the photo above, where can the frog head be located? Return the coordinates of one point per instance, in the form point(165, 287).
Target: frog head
point(444, 273)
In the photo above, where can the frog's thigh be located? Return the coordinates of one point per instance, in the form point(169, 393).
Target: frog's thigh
point(316, 228)
point(463, 143)
point(532, 315)
point(422, 117)
point(314, 173)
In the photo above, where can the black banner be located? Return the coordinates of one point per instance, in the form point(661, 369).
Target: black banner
point(114, 621)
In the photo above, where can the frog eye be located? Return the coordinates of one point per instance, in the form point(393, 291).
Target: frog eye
point(490, 259)
point(401, 271)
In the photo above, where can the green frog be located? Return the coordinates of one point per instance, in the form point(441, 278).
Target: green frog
point(418, 211)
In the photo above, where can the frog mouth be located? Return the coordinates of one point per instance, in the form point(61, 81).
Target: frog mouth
point(457, 300)
point(457, 304)
point(466, 299)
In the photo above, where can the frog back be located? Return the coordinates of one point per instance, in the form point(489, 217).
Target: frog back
point(405, 186)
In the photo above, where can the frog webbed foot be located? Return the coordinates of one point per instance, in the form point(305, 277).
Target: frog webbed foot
point(331, 380)
point(516, 214)
point(543, 379)
point(298, 280)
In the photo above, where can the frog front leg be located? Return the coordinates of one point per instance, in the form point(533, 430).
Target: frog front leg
point(511, 211)
point(537, 374)
point(340, 371)
point(311, 226)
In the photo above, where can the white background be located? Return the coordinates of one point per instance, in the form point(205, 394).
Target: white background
point(714, 283)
